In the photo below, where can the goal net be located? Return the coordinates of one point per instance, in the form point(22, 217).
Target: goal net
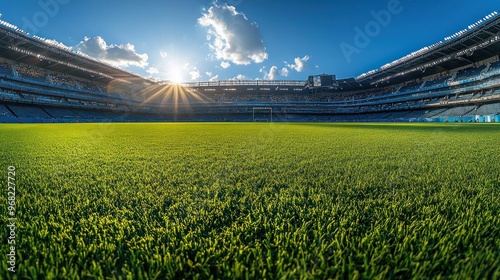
point(262, 114)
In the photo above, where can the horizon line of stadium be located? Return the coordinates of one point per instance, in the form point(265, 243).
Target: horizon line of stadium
point(456, 79)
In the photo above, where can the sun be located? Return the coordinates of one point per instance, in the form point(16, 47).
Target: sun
point(175, 74)
point(176, 78)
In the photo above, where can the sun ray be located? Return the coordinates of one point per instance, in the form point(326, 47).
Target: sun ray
point(173, 98)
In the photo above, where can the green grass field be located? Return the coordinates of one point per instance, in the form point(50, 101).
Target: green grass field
point(259, 201)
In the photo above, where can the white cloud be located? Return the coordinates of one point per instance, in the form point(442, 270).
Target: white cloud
point(284, 72)
point(214, 78)
point(195, 74)
point(163, 54)
point(299, 63)
point(232, 36)
point(240, 77)
point(273, 72)
point(225, 64)
point(152, 71)
point(209, 74)
point(119, 55)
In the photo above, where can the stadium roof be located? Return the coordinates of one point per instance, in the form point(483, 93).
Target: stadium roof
point(17, 45)
point(479, 42)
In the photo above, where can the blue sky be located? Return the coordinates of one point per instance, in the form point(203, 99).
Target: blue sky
point(187, 40)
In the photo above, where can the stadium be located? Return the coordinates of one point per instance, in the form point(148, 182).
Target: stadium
point(453, 80)
point(108, 174)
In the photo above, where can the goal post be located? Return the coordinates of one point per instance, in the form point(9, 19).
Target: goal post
point(262, 114)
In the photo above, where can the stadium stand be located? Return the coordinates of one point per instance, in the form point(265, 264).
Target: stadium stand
point(4, 112)
point(28, 112)
point(61, 80)
point(457, 79)
point(62, 113)
point(487, 109)
point(30, 72)
point(90, 87)
point(5, 69)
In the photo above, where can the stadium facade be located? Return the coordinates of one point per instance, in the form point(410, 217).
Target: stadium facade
point(454, 80)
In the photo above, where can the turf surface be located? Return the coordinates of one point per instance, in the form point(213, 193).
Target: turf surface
point(262, 201)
